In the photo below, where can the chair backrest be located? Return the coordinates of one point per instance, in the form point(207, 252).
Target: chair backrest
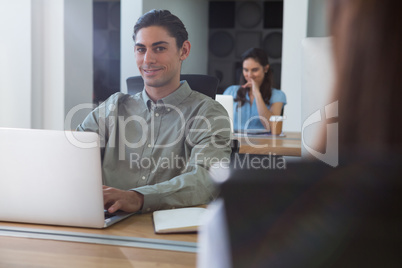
point(205, 84)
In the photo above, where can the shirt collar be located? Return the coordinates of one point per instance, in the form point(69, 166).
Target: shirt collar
point(146, 99)
point(179, 95)
point(173, 99)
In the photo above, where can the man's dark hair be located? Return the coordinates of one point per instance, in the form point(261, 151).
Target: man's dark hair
point(163, 18)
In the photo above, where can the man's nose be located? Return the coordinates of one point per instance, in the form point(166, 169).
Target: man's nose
point(149, 57)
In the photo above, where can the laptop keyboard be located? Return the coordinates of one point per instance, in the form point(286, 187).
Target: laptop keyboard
point(109, 215)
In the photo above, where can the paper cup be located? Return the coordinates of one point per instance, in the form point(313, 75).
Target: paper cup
point(275, 123)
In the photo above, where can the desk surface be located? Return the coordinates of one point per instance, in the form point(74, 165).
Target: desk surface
point(288, 145)
point(26, 252)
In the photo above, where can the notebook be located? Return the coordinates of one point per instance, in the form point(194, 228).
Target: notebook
point(180, 220)
point(227, 102)
point(52, 177)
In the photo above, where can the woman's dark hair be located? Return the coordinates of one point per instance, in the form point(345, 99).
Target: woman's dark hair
point(163, 18)
point(261, 57)
point(368, 62)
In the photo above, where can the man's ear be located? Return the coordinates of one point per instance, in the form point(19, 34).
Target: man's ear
point(185, 50)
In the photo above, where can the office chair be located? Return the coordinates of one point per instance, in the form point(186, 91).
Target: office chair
point(205, 84)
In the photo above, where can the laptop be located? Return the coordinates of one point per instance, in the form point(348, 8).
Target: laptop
point(52, 177)
point(227, 102)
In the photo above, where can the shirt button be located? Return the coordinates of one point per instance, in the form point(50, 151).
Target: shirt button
point(156, 114)
point(149, 145)
point(168, 109)
point(143, 177)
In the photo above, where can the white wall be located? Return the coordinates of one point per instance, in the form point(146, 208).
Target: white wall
point(302, 18)
point(46, 61)
point(294, 30)
point(78, 55)
point(15, 63)
point(130, 11)
point(47, 64)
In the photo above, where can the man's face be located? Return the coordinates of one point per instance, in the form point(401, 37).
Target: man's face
point(158, 58)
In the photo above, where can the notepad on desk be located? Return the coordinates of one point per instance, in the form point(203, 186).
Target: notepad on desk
point(181, 220)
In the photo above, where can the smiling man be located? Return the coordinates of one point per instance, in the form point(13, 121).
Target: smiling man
point(159, 62)
point(158, 145)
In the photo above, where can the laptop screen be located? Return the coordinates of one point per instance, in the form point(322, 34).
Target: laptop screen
point(51, 177)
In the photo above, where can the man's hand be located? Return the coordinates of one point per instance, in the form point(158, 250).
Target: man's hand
point(115, 199)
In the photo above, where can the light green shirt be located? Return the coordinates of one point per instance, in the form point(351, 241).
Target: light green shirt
point(162, 150)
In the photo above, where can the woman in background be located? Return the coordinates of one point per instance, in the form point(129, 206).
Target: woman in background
point(255, 99)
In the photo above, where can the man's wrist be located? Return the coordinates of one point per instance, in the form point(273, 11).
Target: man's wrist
point(139, 198)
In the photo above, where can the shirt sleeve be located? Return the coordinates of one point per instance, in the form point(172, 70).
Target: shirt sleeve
point(97, 120)
point(278, 96)
point(209, 143)
point(232, 90)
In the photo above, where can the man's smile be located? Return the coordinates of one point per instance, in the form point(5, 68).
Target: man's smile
point(152, 71)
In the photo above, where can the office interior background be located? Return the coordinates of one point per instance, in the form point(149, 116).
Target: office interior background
point(60, 58)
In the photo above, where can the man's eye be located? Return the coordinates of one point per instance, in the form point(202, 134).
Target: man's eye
point(140, 49)
point(160, 49)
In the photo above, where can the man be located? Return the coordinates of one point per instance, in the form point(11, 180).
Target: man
point(159, 144)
